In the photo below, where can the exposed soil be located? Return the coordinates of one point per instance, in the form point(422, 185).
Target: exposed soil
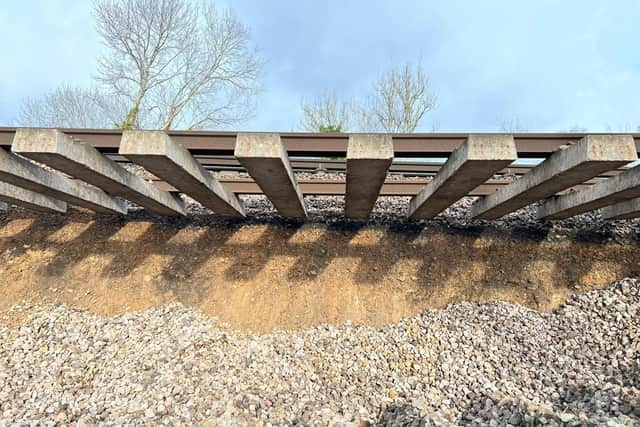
point(282, 275)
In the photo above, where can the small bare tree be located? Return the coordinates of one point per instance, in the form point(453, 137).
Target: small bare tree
point(400, 98)
point(325, 114)
point(177, 63)
point(70, 107)
point(512, 125)
point(576, 128)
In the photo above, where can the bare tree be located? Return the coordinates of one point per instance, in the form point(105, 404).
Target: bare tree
point(70, 107)
point(398, 101)
point(177, 63)
point(400, 98)
point(325, 113)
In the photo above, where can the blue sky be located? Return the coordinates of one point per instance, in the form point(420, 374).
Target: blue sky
point(549, 65)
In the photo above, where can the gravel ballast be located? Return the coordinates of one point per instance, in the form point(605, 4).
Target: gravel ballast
point(482, 364)
point(392, 210)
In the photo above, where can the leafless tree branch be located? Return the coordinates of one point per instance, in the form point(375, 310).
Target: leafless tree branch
point(398, 102)
point(400, 98)
point(179, 64)
point(325, 113)
point(512, 125)
point(70, 107)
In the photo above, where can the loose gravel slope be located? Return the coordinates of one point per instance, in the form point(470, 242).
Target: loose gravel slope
point(492, 363)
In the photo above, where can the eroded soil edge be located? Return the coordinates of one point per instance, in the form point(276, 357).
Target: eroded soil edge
point(262, 277)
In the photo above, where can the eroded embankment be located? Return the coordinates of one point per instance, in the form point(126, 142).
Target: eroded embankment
point(280, 276)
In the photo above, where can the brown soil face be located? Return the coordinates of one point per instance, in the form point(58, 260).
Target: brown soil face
point(273, 276)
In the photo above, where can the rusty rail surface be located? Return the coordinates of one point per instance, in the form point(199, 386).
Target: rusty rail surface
point(228, 163)
point(336, 187)
point(208, 143)
point(481, 165)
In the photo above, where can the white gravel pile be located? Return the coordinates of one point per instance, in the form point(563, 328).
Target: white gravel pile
point(480, 364)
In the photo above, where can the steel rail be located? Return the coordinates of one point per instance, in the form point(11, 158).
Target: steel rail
point(529, 145)
point(336, 187)
point(228, 163)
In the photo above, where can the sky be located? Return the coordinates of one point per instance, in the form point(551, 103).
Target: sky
point(545, 65)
